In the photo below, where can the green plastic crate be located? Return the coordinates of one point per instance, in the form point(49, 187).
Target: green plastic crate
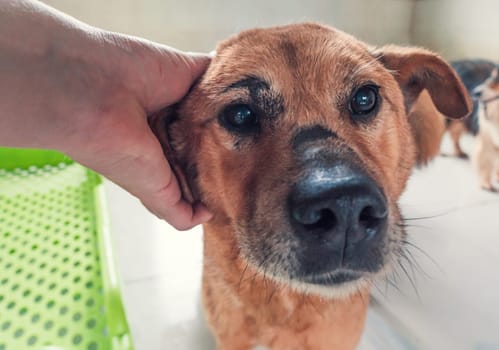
point(58, 284)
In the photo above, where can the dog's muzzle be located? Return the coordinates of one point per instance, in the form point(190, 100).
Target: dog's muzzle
point(339, 215)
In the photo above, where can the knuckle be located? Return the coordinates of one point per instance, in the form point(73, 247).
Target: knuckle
point(182, 226)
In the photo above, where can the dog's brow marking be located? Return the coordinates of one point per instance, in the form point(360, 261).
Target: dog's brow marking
point(205, 122)
point(289, 51)
point(260, 92)
point(311, 133)
point(251, 83)
point(367, 65)
point(391, 104)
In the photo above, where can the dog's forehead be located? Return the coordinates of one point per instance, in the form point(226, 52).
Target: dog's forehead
point(292, 39)
point(494, 86)
point(300, 49)
point(491, 88)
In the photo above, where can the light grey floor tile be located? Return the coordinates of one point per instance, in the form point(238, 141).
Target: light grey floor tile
point(452, 303)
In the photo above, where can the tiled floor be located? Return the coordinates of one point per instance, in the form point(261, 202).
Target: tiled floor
point(453, 306)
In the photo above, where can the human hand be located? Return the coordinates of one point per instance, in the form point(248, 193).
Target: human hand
point(124, 149)
point(87, 92)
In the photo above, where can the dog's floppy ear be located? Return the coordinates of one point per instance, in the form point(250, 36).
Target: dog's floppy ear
point(427, 128)
point(493, 78)
point(416, 69)
point(160, 122)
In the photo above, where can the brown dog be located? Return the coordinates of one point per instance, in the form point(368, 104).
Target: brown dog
point(473, 74)
point(428, 127)
point(298, 140)
point(486, 157)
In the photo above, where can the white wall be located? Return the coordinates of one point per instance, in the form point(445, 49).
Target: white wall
point(458, 28)
point(455, 28)
point(198, 24)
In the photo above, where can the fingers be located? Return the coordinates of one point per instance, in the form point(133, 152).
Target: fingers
point(151, 179)
point(182, 70)
point(174, 209)
point(135, 161)
point(173, 74)
point(198, 63)
point(121, 146)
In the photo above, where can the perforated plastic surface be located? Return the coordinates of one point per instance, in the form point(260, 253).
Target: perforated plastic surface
point(53, 290)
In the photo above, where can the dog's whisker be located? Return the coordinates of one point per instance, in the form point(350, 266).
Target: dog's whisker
point(395, 275)
point(414, 263)
point(358, 293)
point(393, 284)
point(373, 284)
point(366, 66)
point(242, 276)
point(411, 245)
point(206, 123)
point(271, 295)
point(317, 310)
point(411, 281)
point(412, 266)
point(387, 285)
point(428, 217)
point(407, 225)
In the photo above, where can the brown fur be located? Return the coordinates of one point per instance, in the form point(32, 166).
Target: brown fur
point(456, 129)
point(248, 294)
point(486, 157)
point(428, 128)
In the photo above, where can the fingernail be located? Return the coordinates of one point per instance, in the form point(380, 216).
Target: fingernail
point(200, 54)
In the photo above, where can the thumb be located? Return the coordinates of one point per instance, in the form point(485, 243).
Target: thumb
point(162, 195)
point(175, 72)
point(141, 168)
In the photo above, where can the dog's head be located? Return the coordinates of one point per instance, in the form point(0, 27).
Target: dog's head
point(488, 96)
point(297, 139)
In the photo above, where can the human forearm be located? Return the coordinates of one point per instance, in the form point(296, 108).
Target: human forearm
point(41, 50)
point(87, 92)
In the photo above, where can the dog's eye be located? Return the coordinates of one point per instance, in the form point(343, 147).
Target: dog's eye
point(364, 101)
point(239, 118)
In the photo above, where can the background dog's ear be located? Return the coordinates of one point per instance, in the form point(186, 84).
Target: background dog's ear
point(427, 127)
point(416, 69)
point(159, 123)
point(493, 78)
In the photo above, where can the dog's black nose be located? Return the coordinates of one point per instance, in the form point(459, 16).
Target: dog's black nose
point(338, 209)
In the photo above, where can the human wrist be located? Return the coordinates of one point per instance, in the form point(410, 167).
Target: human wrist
point(44, 56)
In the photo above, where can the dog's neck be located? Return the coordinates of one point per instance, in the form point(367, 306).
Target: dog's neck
point(489, 130)
point(265, 305)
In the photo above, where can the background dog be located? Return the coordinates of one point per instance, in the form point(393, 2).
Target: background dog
point(486, 158)
point(473, 73)
point(298, 139)
point(480, 79)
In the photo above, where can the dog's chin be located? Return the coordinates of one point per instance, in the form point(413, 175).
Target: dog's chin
point(337, 285)
point(332, 279)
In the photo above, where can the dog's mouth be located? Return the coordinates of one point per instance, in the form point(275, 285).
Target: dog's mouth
point(288, 260)
point(331, 226)
point(334, 278)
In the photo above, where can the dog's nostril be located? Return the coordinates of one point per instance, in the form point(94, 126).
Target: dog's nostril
point(340, 206)
point(323, 219)
point(370, 220)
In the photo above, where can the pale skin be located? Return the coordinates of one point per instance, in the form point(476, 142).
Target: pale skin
point(87, 92)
